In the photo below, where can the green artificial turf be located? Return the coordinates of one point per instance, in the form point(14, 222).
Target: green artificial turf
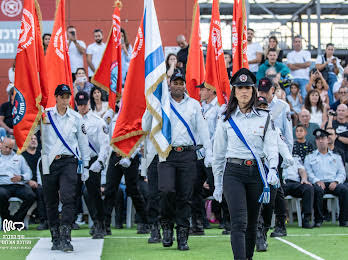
point(328, 242)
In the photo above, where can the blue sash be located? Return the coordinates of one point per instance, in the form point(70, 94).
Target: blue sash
point(80, 162)
point(184, 122)
point(265, 196)
point(92, 147)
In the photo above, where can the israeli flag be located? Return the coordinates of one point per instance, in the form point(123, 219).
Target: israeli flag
point(156, 87)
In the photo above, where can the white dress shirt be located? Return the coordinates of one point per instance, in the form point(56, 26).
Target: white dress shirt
point(13, 164)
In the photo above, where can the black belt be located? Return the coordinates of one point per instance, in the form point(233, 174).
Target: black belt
point(180, 149)
point(63, 156)
point(245, 162)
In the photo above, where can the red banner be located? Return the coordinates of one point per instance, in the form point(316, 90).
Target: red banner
point(195, 61)
point(239, 36)
point(30, 77)
point(216, 77)
point(109, 73)
point(57, 57)
point(128, 131)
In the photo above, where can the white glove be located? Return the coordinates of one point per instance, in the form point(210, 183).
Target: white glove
point(208, 161)
point(125, 162)
point(108, 116)
point(218, 188)
point(272, 177)
point(85, 175)
point(96, 166)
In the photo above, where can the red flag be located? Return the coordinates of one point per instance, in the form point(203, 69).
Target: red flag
point(109, 73)
point(195, 61)
point(239, 36)
point(30, 77)
point(128, 131)
point(216, 77)
point(57, 56)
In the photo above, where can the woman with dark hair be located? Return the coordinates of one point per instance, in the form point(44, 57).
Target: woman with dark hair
point(244, 138)
point(98, 105)
point(316, 107)
point(45, 41)
point(171, 64)
point(126, 54)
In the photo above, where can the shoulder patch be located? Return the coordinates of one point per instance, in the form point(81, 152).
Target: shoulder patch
point(105, 129)
point(288, 116)
point(84, 129)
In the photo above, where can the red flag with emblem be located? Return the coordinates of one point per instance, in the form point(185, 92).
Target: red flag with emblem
point(195, 62)
point(108, 76)
point(57, 57)
point(239, 36)
point(30, 76)
point(216, 77)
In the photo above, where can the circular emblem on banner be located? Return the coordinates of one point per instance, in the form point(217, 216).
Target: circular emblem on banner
point(11, 8)
point(27, 34)
point(19, 107)
point(243, 78)
point(58, 43)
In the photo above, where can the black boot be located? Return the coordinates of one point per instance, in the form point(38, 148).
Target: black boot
point(261, 244)
point(306, 222)
point(99, 230)
point(55, 238)
point(167, 240)
point(197, 228)
point(155, 234)
point(182, 236)
point(92, 230)
point(65, 235)
point(280, 229)
point(142, 228)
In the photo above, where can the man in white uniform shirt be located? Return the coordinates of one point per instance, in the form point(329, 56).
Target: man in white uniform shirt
point(254, 52)
point(299, 62)
point(77, 49)
point(95, 52)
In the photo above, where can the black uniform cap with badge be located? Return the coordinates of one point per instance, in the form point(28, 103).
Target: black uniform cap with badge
point(243, 78)
point(81, 98)
point(318, 133)
point(62, 89)
point(177, 75)
point(265, 85)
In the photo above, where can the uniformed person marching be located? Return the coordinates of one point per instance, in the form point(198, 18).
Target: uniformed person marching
point(64, 147)
point(244, 142)
point(98, 141)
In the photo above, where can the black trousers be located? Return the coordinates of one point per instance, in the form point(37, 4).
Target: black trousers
point(341, 191)
point(94, 193)
point(242, 189)
point(21, 191)
point(304, 191)
point(113, 179)
point(175, 180)
point(203, 174)
point(60, 184)
point(153, 208)
point(41, 204)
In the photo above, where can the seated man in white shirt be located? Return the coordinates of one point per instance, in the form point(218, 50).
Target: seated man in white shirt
point(14, 174)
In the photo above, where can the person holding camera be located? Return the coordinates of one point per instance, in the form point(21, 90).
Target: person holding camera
point(77, 49)
point(318, 82)
point(81, 82)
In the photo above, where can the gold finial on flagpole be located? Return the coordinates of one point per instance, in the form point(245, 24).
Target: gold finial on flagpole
point(118, 4)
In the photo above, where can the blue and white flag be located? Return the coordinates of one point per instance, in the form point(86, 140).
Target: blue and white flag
point(156, 87)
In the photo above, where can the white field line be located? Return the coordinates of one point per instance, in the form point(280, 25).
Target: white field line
point(300, 249)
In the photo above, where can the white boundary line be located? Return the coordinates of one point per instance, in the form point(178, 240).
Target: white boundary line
point(300, 249)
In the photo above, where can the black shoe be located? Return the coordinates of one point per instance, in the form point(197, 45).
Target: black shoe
point(261, 244)
point(306, 224)
point(65, 234)
point(142, 229)
point(318, 224)
point(344, 224)
point(182, 236)
point(55, 238)
point(155, 234)
point(99, 230)
point(226, 231)
point(198, 228)
point(42, 226)
point(75, 226)
point(280, 229)
point(108, 230)
point(167, 240)
point(92, 230)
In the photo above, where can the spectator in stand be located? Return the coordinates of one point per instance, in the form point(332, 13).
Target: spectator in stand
point(98, 105)
point(301, 146)
point(299, 62)
point(126, 54)
point(295, 101)
point(81, 83)
point(171, 64)
point(316, 107)
point(77, 49)
point(318, 82)
point(330, 67)
point(280, 93)
point(339, 83)
point(342, 97)
point(32, 156)
point(6, 121)
point(341, 127)
point(254, 52)
point(45, 41)
point(183, 52)
point(95, 52)
point(273, 44)
point(271, 61)
point(304, 118)
point(228, 64)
